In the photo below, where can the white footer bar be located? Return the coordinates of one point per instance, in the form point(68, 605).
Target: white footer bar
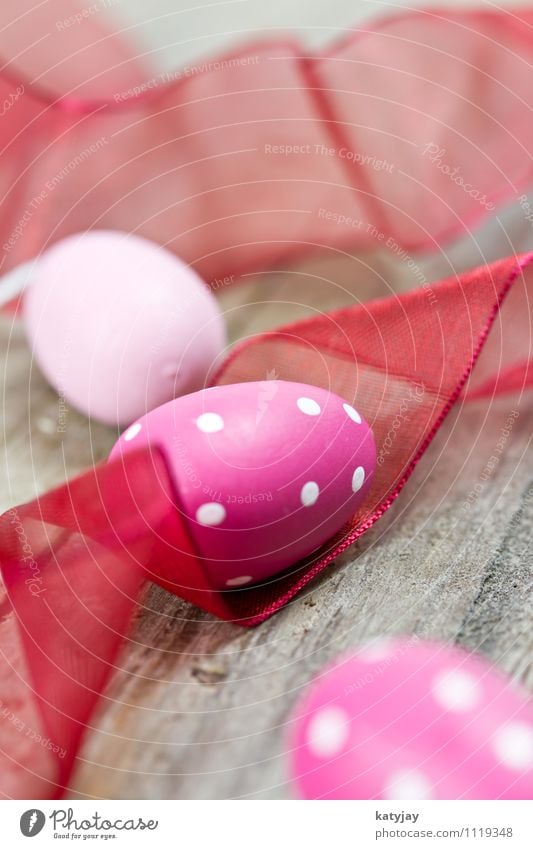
point(268, 824)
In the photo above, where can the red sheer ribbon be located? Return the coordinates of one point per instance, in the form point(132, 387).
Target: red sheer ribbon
point(425, 111)
point(73, 562)
point(413, 354)
point(189, 165)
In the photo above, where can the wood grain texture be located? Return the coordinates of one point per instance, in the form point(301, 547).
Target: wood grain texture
point(200, 708)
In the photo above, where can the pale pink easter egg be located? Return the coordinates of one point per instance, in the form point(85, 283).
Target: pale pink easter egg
point(265, 472)
point(119, 325)
point(403, 719)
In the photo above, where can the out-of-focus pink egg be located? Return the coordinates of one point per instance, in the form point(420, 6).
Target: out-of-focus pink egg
point(265, 472)
point(119, 325)
point(402, 719)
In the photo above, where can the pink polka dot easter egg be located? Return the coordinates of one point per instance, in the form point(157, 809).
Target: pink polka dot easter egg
point(119, 325)
point(402, 719)
point(265, 472)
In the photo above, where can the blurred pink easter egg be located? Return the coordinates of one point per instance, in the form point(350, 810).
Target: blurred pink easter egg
point(119, 325)
point(265, 472)
point(403, 719)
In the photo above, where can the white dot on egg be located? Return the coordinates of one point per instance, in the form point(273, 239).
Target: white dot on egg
point(350, 411)
point(210, 423)
point(211, 513)
point(407, 784)
point(358, 479)
point(239, 582)
point(328, 732)
point(132, 431)
point(308, 406)
point(513, 745)
point(456, 690)
point(309, 493)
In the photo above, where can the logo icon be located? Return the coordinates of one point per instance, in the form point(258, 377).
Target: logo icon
point(32, 822)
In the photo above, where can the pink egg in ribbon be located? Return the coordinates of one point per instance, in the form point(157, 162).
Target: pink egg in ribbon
point(265, 472)
point(119, 325)
point(404, 719)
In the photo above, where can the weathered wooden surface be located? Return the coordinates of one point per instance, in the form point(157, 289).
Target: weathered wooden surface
point(200, 708)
